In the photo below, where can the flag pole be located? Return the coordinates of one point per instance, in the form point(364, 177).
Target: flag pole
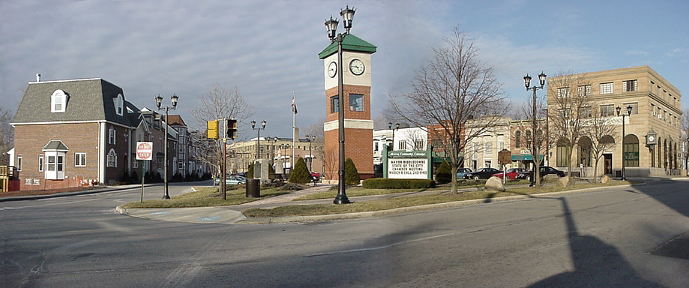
point(294, 126)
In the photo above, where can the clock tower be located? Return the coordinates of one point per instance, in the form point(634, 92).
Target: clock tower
point(358, 126)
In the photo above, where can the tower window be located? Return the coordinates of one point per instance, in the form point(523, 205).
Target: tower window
point(356, 102)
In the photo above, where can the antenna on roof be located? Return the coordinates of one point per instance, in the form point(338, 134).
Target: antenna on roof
point(38, 77)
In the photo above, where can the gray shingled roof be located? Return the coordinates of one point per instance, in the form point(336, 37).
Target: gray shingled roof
point(89, 100)
point(55, 145)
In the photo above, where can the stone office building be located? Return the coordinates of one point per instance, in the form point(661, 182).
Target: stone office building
point(652, 131)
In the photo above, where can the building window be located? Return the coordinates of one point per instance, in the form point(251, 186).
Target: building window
point(40, 163)
point(112, 137)
point(653, 109)
point(418, 144)
point(375, 146)
point(584, 90)
point(19, 162)
point(80, 159)
point(518, 139)
point(606, 88)
point(563, 92)
point(334, 104)
point(528, 138)
point(635, 107)
point(356, 102)
point(585, 112)
point(653, 86)
point(55, 168)
point(629, 85)
point(119, 104)
point(487, 148)
point(563, 153)
point(112, 158)
point(564, 113)
point(58, 101)
point(402, 145)
point(607, 110)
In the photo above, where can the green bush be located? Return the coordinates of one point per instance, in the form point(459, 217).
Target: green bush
point(301, 174)
point(444, 173)
point(387, 183)
point(351, 174)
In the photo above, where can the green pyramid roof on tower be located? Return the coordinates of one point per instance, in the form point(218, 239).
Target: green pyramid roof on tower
point(350, 43)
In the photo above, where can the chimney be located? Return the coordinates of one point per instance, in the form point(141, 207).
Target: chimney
point(38, 77)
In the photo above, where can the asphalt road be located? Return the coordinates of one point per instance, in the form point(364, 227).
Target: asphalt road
point(623, 237)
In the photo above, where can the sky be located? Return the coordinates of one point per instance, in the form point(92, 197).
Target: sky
point(268, 49)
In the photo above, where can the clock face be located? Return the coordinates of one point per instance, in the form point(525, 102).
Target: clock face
point(356, 66)
point(651, 138)
point(332, 69)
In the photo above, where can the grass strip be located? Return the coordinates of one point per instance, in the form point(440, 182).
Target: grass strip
point(409, 201)
point(204, 197)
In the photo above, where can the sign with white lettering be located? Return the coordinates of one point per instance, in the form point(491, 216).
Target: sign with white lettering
point(408, 168)
point(144, 150)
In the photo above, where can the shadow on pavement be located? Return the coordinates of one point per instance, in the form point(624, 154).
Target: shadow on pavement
point(596, 264)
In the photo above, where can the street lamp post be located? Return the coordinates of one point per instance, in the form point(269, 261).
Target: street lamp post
point(629, 114)
point(258, 139)
point(159, 102)
point(397, 127)
point(331, 25)
point(310, 139)
point(534, 147)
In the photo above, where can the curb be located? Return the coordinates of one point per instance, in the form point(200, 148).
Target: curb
point(67, 194)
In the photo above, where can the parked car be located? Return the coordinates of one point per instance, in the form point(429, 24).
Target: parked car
point(315, 175)
point(482, 173)
point(543, 170)
point(512, 173)
point(461, 172)
point(232, 180)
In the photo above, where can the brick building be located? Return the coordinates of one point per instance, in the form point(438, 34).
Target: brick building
point(73, 133)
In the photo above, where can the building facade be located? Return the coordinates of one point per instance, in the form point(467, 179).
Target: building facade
point(652, 131)
point(279, 150)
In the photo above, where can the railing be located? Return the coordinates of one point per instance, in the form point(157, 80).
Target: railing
point(8, 172)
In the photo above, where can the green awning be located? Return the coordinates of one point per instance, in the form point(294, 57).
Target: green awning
point(524, 157)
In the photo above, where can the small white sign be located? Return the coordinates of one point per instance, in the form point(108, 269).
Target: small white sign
point(144, 150)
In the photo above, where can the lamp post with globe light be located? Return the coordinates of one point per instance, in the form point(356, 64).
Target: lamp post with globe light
point(159, 102)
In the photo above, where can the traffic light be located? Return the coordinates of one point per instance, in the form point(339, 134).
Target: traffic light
point(213, 129)
point(231, 128)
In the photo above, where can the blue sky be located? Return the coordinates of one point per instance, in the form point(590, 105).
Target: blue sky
point(267, 49)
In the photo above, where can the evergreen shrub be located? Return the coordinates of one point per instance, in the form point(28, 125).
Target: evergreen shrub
point(301, 174)
point(443, 174)
point(351, 174)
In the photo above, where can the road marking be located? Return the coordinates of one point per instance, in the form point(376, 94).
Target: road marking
point(158, 213)
point(208, 219)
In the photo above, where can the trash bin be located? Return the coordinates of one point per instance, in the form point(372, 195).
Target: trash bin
point(253, 188)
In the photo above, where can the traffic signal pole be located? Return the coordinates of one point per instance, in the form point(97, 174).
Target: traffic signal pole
point(223, 184)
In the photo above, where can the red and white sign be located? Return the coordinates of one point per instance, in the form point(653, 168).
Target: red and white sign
point(144, 150)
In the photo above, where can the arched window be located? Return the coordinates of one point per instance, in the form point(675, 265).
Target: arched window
point(631, 151)
point(58, 101)
point(563, 152)
point(119, 104)
point(518, 139)
point(112, 158)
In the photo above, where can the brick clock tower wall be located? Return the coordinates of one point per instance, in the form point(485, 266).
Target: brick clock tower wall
point(356, 73)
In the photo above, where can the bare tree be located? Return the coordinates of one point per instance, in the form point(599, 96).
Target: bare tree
point(569, 104)
point(601, 131)
point(218, 103)
point(453, 87)
point(6, 135)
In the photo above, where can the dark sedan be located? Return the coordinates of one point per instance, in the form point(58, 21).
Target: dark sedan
point(482, 173)
point(544, 170)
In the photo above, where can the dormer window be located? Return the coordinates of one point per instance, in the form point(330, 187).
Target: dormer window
point(58, 101)
point(119, 104)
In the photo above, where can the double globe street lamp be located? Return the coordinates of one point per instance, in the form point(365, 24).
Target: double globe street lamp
point(534, 151)
point(159, 102)
point(629, 114)
point(331, 26)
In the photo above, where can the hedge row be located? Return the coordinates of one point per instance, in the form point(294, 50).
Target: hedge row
point(387, 183)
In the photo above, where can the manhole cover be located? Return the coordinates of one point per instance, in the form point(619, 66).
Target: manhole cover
point(677, 247)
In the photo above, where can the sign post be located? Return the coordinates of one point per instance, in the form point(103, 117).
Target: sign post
point(504, 158)
point(144, 152)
